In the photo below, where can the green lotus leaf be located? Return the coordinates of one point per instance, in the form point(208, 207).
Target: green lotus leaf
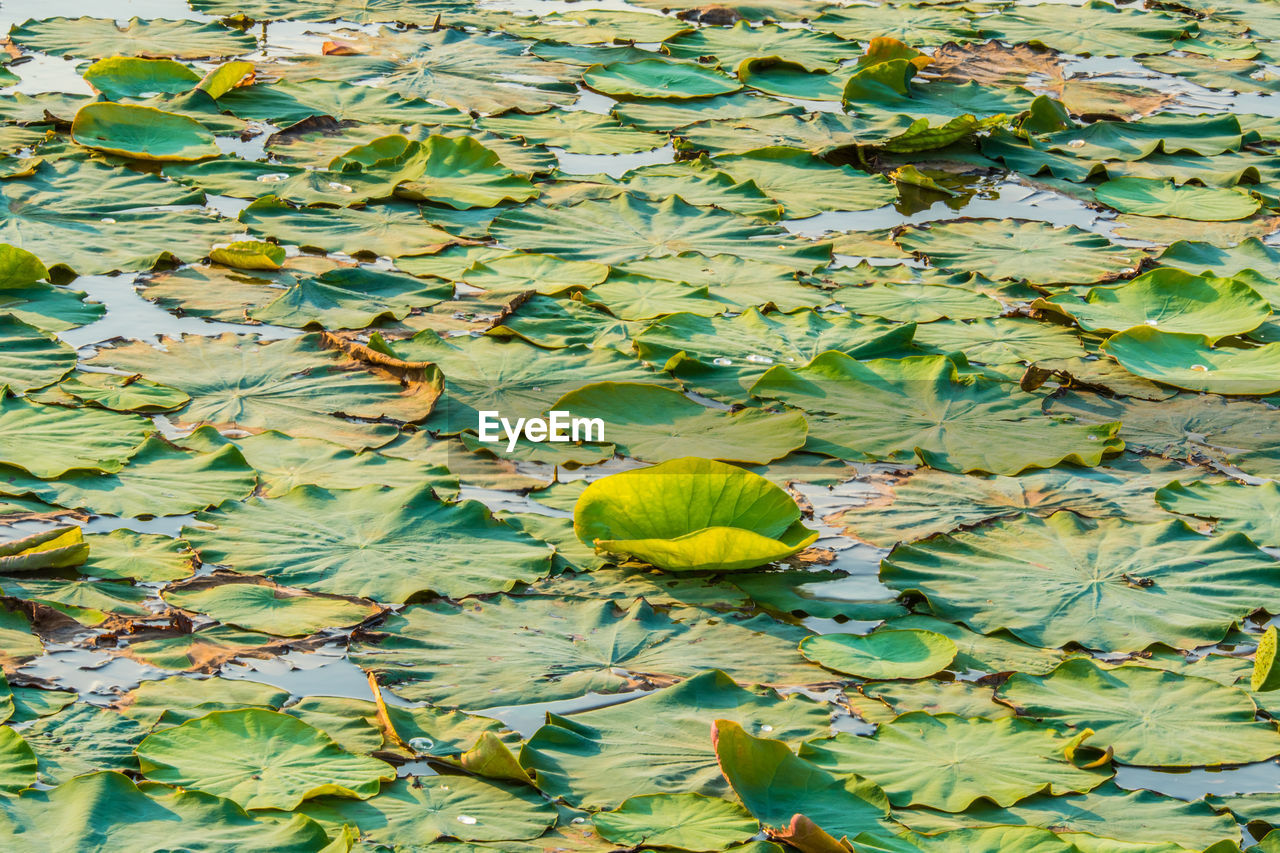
point(82, 739)
point(806, 185)
point(350, 298)
point(177, 699)
point(390, 544)
point(1009, 249)
point(385, 229)
point(102, 37)
point(121, 393)
point(917, 303)
point(590, 759)
point(509, 376)
point(205, 650)
point(1091, 29)
point(695, 184)
point(881, 701)
point(1145, 583)
point(88, 602)
point(883, 654)
point(658, 424)
point(678, 517)
point(818, 133)
point(923, 408)
point(465, 656)
point(1135, 140)
point(1192, 362)
point(142, 133)
point(1251, 509)
point(31, 703)
point(578, 132)
point(248, 179)
point(884, 91)
point(1169, 300)
point(289, 103)
point(1154, 197)
point(931, 501)
point(775, 76)
point(777, 788)
point(1206, 258)
point(159, 479)
point(118, 77)
point(658, 78)
point(813, 593)
point(1147, 716)
point(1106, 818)
point(723, 356)
point(150, 557)
point(815, 50)
point(949, 762)
point(644, 229)
point(523, 272)
point(676, 822)
point(240, 382)
point(249, 255)
point(108, 811)
point(411, 812)
point(29, 358)
point(748, 283)
point(468, 71)
point(19, 268)
point(50, 308)
point(664, 116)
point(424, 730)
point(48, 441)
point(1000, 340)
point(271, 610)
point(926, 24)
point(56, 548)
point(259, 759)
point(96, 219)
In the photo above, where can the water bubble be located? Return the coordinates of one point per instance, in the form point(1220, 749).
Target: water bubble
point(342, 188)
point(722, 361)
point(421, 744)
point(108, 220)
point(467, 819)
point(1153, 322)
point(148, 94)
point(1076, 143)
point(759, 359)
point(766, 728)
point(578, 820)
point(1200, 368)
point(272, 178)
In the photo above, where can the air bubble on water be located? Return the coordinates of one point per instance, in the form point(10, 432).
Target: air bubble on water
point(467, 819)
point(759, 359)
point(108, 220)
point(1200, 368)
point(272, 178)
point(722, 361)
point(342, 188)
point(421, 744)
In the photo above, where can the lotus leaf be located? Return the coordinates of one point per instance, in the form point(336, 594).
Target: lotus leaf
point(102, 37)
point(1251, 509)
point(1145, 583)
point(777, 788)
point(1000, 340)
point(122, 393)
point(1147, 716)
point(350, 298)
point(1249, 254)
point(658, 78)
point(289, 103)
point(242, 383)
point(81, 739)
point(385, 229)
point(1154, 197)
point(579, 132)
point(677, 516)
point(926, 24)
point(1012, 249)
point(1091, 29)
point(412, 812)
point(259, 759)
point(142, 133)
point(590, 759)
point(390, 545)
point(949, 762)
point(177, 699)
point(108, 811)
point(118, 77)
point(205, 650)
point(917, 303)
point(883, 654)
point(48, 441)
point(149, 557)
point(658, 424)
point(663, 115)
point(253, 180)
point(676, 821)
point(644, 229)
point(723, 356)
point(806, 185)
point(567, 649)
point(1192, 361)
point(923, 408)
point(1172, 301)
point(281, 612)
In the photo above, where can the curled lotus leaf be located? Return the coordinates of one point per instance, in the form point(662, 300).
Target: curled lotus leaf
point(679, 517)
point(881, 654)
point(143, 133)
point(659, 78)
point(1191, 361)
point(119, 77)
point(29, 358)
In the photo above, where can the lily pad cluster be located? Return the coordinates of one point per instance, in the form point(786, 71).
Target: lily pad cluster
point(933, 504)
